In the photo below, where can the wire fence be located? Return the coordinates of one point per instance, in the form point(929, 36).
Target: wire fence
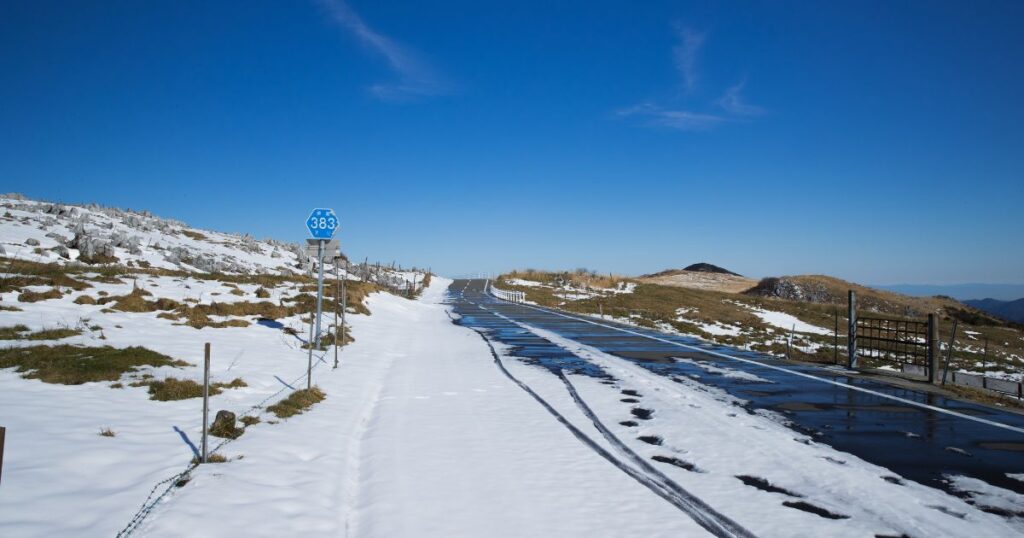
point(171, 483)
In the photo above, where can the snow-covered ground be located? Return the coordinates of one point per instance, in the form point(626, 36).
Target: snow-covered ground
point(420, 435)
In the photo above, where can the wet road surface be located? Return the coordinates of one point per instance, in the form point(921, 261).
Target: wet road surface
point(915, 442)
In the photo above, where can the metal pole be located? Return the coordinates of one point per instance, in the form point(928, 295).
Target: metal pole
point(933, 348)
point(309, 364)
point(3, 433)
point(949, 352)
point(851, 345)
point(344, 307)
point(835, 344)
point(336, 286)
point(319, 288)
point(206, 398)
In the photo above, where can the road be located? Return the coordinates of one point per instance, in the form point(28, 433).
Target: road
point(918, 435)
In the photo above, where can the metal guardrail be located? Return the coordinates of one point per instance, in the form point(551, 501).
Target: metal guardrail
point(995, 384)
point(510, 296)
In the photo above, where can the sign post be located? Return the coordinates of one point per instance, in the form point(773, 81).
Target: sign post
point(322, 223)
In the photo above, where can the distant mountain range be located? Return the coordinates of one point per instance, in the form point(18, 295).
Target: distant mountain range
point(961, 292)
point(1008, 310)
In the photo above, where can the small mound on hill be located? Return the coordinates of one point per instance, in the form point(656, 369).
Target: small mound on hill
point(709, 268)
point(695, 268)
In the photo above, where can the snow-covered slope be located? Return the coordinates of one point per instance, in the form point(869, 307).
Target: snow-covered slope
point(47, 232)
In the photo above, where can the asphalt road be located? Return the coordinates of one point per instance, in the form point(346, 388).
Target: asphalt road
point(916, 434)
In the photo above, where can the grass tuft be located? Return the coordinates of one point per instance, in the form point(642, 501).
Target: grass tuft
point(12, 333)
point(29, 296)
point(74, 365)
point(297, 402)
point(107, 432)
point(173, 388)
point(18, 332)
point(212, 458)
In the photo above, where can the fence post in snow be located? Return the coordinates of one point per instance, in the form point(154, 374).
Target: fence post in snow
point(933, 349)
point(851, 344)
point(789, 342)
point(337, 284)
point(309, 363)
point(344, 307)
point(206, 400)
point(3, 433)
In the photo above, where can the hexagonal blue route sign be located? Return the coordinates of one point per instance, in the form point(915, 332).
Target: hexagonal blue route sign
point(322, 223)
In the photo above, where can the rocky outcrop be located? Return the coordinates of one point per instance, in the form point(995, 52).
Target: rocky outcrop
point(783, 288)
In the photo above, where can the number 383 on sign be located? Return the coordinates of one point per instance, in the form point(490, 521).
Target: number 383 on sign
point(322, 223)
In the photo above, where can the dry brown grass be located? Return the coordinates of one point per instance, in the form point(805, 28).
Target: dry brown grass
point(107, 432)
point(52, 334)
point(194, 235)
point(74, 365)
point(212, 458)
point(297, 402)
point(580, 278)
point(85, 299)
point(136, 302)
point(173, 388)
point(29, 296)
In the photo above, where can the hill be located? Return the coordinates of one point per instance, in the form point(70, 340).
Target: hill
point(65, 234)
point(701, 276)
point(1008, 310)
point(761, 316)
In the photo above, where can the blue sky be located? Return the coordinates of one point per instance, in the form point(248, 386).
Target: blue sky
point(881, 142)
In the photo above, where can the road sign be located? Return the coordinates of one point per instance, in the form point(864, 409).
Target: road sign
point(322, 223)
point(331, 248)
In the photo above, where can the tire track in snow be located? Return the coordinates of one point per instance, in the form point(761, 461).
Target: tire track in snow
point(696, 506)
point(701, 513)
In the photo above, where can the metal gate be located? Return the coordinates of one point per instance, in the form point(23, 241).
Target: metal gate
point(898, 343)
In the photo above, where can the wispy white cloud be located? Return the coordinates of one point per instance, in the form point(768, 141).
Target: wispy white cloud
point(683, 120)
point(731, 106)
point(685, 53)
point(416, 78)
point(732, 102)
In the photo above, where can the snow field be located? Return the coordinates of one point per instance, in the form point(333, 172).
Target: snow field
point(420, 435)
